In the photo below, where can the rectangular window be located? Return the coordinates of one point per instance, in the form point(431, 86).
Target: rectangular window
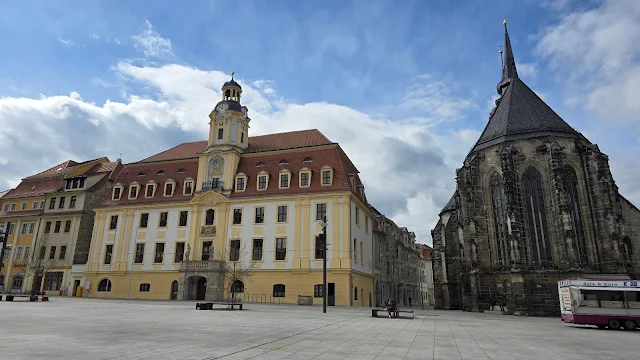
point(81, 183)
point(304, 179)
point(282, 213)
point(317, 291)
point(355, 250)
point(61, 204)
point(241, 137)
point(27, 252)
point(259, 215)
point(149, 193)
point(63, 252)
point(113, 223)
point(164, 216)
point(209, 217)
point(168, 189)
point(240, 184)
point(56, 229)
point(6, 207)
point(24, 228)
point(357, 216)
point(43, 252)
point(145, 287)
point(144, 220)
point(35, 205)
point(108, 252)
point(207, 250)
point(183, 218)
point(139, 254)
point(262, 182)
point(256, 254)
point(237, 216)
point(67, 226)
point(42, 204)
point(52, 203)
point(284, 180)
point(53, 281)
point(32, 228)
point(361, 253)
point(12, 228)
point(18, 253)
point(220, 134)
point(133, 192)
point(74, 183)
point(326, 177)
point(72, 202)
point(320, 246)
point(321, 211)
point(179, 254)
point(366, 223)
point(13, 206)
point(234, 250)
point(281, 248)
point(159, 255)
point(47, 227)
point(188, 188)
point(278, 290)
point(52, 253)
point(24, 206)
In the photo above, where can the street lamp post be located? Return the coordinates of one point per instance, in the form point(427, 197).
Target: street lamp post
point(324, 264)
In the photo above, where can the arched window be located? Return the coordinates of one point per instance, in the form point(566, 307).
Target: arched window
point(209, 217)
point(237, 287)
point(499, 202)
point(278, 290)
point(461, 251)
point(570, 183)
point(104, 285)
point(627, 252)
point(536, 216)
point(474, 252)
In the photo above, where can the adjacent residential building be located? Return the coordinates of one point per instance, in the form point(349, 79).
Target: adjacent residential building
point(49, 216)
point(426, 275)
point(236, 215)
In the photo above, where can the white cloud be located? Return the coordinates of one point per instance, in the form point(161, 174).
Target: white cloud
point(527, 70)
point(95, 36)
point(152, 43)
point(67, 42)
point(596, 56)
point(408, 169)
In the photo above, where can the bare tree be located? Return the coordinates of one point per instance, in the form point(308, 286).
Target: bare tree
point(38, 263)
point(238, 265)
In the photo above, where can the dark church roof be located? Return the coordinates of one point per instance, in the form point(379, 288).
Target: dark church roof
point(520, 113)
point(451, 204)
point(232, 83)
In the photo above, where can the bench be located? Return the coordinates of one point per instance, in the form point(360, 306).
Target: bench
point(11, 297)
point(209, 305)
point(395, 314)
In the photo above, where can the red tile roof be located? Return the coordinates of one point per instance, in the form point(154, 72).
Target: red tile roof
point(22, 213)
point(270, 142)
point(3, 193)
point(150, 170)
point(103, 168)
point(58, 170)
point(33, 187)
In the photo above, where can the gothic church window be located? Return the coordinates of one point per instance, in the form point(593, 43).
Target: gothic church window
point(536, 217)
point(499, 201)
point(570, 183)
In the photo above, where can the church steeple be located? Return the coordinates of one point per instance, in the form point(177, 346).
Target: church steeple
point(509, 71)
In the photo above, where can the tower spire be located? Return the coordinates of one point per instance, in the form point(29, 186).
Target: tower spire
point(509, 71)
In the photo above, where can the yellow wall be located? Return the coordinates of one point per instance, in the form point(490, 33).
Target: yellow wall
point(160, 285)
point(364, 283)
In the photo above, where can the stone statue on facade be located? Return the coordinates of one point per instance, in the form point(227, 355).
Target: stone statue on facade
point(188, 252)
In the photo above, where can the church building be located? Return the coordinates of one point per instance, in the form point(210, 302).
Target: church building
point(535, 203)
point(236, 215)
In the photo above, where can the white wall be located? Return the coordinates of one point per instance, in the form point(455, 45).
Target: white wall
point(363, 263)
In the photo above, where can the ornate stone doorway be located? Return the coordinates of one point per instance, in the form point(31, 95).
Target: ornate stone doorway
point(196, 288)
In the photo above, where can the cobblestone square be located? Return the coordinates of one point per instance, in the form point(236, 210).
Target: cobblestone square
point(67, 328)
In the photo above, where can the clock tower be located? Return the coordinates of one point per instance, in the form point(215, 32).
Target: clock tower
point(228, 138)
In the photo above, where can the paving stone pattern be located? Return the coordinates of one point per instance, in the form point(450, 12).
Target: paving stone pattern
point(67, 328)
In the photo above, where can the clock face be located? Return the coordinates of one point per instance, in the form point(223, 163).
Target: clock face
point(216, 163)
point(221, 108)
point(220, 123)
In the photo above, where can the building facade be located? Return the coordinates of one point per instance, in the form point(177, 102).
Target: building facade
point(426, 275)
point(236, 216)
point(49, 216)
point(535, 203)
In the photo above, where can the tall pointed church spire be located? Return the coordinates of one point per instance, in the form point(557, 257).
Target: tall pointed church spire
point(509, 71)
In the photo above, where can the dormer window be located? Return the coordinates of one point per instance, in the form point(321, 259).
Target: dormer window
point(181, 171)
point(160, 172)
point(327, 175)
point(133, 190)
point(283, 161)
point(305, 177)
point(188, 186)
point(260, 163)
point(140, 173)
point(263, 180)
point(117, 192)
point(307, 159)
point(285, 177)
point(169, 187)
point(150, 191)
point(241, 182)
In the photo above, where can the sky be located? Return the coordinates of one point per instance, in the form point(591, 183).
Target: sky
point(404, 87)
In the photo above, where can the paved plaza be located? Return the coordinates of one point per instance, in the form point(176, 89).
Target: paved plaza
point(68, 328)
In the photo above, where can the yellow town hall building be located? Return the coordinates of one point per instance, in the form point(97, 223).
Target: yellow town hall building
point(174, 224)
